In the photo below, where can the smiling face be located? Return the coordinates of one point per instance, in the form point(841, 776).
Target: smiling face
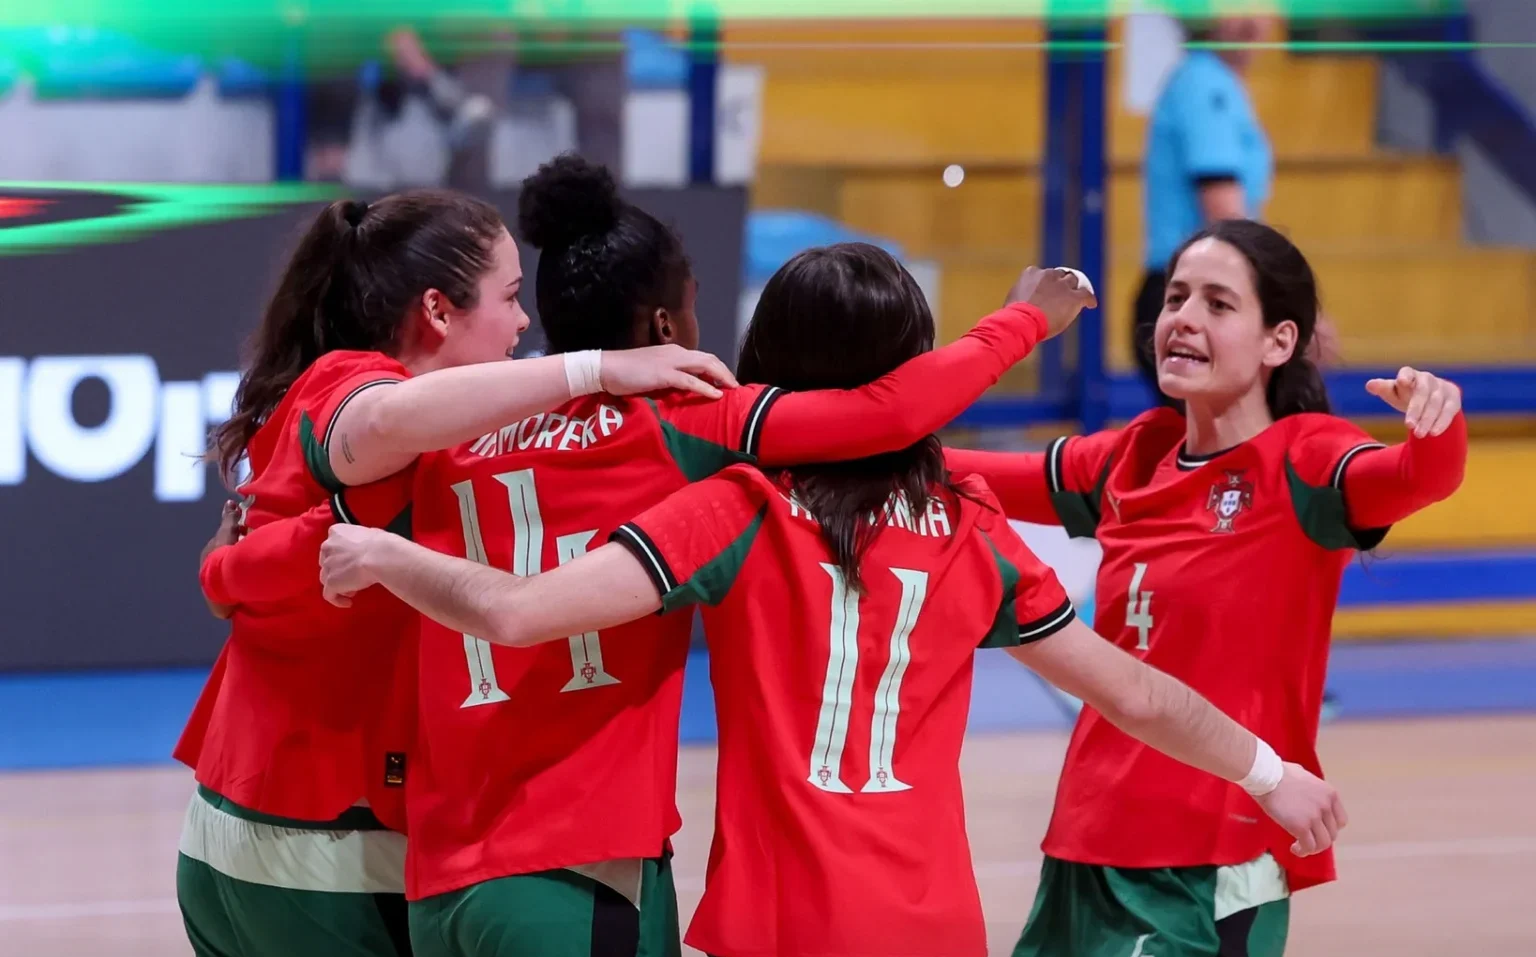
point(489, 329)
point(1211, 339)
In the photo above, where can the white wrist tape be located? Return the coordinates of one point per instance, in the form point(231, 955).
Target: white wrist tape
point(1266, 772)
point(584, 372)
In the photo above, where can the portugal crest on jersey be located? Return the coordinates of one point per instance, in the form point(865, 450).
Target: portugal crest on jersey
point(1228, 498)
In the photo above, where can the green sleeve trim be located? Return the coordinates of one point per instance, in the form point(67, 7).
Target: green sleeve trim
point(1321, 512)
point(710, 584)
point(1007, 631)
point(1079, 511)
point(1004, 632)
point(697, 458)
point(317, 458)
point(317, 450)
point(401, 525)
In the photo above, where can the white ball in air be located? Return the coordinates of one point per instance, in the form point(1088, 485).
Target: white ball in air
point(954, 175)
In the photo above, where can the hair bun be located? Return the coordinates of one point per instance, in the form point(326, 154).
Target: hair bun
point(568, 199)
point(353, 211)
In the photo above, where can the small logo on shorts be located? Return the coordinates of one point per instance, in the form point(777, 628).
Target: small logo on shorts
point(394, 769)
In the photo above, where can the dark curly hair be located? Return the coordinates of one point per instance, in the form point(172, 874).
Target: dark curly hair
point(605, 265)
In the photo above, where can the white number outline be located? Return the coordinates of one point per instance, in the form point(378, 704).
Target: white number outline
point(837, 690)
point(587, 669)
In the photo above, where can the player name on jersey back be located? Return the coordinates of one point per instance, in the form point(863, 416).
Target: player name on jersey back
point(932, 523)
point(551, 430)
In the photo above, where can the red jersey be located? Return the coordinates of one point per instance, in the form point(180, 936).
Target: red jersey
point(539, 758)
point(1223, 571)
point(297, 719)
point(839, 824)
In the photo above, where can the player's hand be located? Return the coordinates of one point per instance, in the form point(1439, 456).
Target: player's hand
point(1308, 807)
point(654, 368)
point(344, 566)
point(230, 531)
point(1054, 292)
point(1429, 403)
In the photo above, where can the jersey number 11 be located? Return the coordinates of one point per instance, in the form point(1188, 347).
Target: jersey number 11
point(837, 691)
point(527, 559)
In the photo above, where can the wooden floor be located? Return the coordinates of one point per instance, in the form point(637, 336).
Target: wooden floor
point(1438, 860)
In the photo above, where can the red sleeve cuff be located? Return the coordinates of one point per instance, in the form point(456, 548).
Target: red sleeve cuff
point(211, 577)
point(1032, 312)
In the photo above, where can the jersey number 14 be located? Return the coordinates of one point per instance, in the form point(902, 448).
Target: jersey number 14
point(527, 559)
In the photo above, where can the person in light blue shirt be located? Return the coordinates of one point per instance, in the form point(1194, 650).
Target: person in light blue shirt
point(1207, 159)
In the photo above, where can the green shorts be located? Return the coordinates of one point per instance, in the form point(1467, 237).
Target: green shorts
point(253, 885)
point(615, 909)
point(1083, 910)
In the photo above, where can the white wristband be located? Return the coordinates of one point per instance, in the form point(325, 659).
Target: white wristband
point(1266, 772)
point(584, 372)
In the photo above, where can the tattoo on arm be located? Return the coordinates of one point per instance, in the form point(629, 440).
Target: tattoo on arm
point(346, 450)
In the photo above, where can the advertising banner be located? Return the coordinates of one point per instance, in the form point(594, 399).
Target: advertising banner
point(125, 309)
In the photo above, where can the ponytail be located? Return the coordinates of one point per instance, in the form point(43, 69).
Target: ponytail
point(349, 285)
point(293, 331)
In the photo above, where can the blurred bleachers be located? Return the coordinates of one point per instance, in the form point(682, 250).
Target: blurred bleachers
point(862, 134)
point(860, 120)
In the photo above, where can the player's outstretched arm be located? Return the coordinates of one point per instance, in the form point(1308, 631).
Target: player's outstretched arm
point(601, 589)
point(1168, 715)
point(1018, 479)
point(925, 393)
point(381, 431)
point(1385, 486)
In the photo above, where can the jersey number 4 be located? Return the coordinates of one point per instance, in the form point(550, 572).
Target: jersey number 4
point(837, 691)
point(527, 559)
point(1138, 608)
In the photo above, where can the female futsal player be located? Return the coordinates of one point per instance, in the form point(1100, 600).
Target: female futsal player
point(1225, 528)
point(541, 787)
point(286, 848)
point(844, 602)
